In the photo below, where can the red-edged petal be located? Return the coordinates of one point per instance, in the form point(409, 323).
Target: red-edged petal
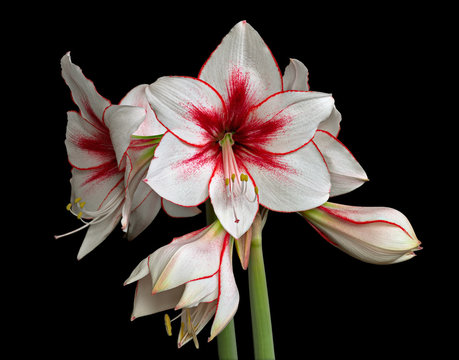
point(299, 180)
point(84, 94)
point(151, 126)
point(235, 211)
point(180, 172)
point(296, 76)
point(346, 174)
point(189, 108)
point(122, 121)
point(285, 121)
point(243, 51)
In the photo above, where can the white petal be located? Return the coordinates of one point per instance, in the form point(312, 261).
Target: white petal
point(296, 76)
point(237, 211)
point(84, 94)
point(188, 107)
point(123, 121)
point(180, 172)
point(332, 123)
point(346, 174)
point(151, 126)
point(243, 51)
point(202, 290)
point(98, 232)
point(228, 300)
point(146, 304)
point(299, 180)
point(177, 211)
point(146, 205)
point(286, 121)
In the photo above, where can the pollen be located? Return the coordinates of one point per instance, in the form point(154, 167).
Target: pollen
point(256, 190)
point(167, 322)
point(244, 177)
point(226, 183)
point(69, 206)
point(79, 215)
point(77, 200)
point(81, 204)
point(233, 176)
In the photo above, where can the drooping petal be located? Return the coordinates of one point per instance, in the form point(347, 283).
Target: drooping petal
point(122, 121)
point(287, 183)
point(296, 76)
point(201, 290)
point(346, 174)
point(84, 94)
point(180, 172)
point(177, 211)
point(376, 235)
point(199, 317)
point(195, 259)
point(285, 121)
point(228, 299)
point(98, 232)
point(243, 50)
point(137, 97)
point(189, 108)
point(146, 304)
point(235, 210)
point(146, 204)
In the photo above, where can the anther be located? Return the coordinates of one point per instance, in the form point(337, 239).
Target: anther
point(167, 322)
point(79, 215)
point(226, 183)
point(256, 190)
point(233, 176)
point(69, 206)
point(77, 200)
point(81, 204)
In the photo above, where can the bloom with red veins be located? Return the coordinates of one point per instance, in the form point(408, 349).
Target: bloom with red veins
point(236, 136)
point(193, 274)
point(108, 163)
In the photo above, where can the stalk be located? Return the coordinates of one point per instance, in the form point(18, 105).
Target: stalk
point(226, 340)
point(259, 302)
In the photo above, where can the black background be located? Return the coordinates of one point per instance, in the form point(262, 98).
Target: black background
point(381, 64)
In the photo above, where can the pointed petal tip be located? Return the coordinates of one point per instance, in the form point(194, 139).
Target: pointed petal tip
point(133, 318)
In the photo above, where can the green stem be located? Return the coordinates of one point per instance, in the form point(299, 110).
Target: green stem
point(259, 302)
point(226, 340)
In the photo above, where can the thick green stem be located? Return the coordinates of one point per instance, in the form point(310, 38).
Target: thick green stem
point(226, 340)
point(259, 302)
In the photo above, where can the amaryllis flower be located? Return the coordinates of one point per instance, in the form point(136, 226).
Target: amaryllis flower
point(193, 274)
point(346, 174)
point(236, 136)
point(108, 164)
point(377, 235)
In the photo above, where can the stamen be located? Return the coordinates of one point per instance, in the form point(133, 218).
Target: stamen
point(77, 200)
point(191, 329)
point(69, 206)
point(226, 183)
point(79, 215)
point(167, 322)
point(233, 176)
point(81, 204)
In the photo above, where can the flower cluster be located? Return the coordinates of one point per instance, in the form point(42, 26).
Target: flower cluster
point(241, 135)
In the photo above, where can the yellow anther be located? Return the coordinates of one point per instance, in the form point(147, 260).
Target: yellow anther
point(77, 200)
point(167, 322)
point(182, 330)
point(226, 182)
point(69, 206)
point(244, 177)
point(79, 215)
point(233, 176)
point(81, 204)
point(256, 190)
